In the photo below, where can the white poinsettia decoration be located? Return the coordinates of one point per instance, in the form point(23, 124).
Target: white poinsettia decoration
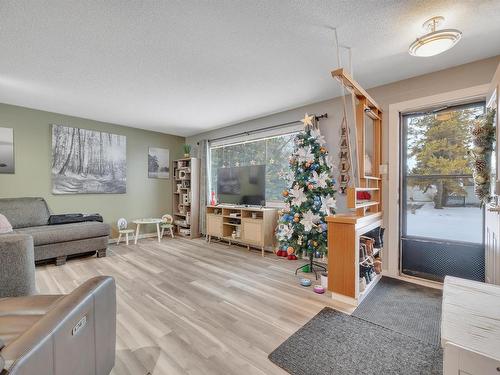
point(320, 179)
point(305, 154)
point(286, 232)
point(288, 176)
point(309, 220)
point(327, 202)
point(298, 195)
point(316, 134)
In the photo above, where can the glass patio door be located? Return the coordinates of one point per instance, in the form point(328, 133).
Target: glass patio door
point(442, 223)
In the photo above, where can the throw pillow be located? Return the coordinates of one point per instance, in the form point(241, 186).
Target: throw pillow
point(5, 226)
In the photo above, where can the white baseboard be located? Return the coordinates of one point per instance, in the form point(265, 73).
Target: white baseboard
point(132, 238)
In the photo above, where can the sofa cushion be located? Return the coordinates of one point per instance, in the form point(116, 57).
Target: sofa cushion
point(49, 234)
point(25, 212)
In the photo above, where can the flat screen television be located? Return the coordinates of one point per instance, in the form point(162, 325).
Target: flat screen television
point(242, 185)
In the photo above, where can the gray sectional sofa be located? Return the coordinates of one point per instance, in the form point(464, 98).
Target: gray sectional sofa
point(30, 216)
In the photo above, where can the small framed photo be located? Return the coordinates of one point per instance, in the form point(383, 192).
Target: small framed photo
point(7, 150)
point(158, 163)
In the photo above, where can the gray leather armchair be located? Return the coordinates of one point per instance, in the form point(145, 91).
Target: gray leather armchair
point(52, 334)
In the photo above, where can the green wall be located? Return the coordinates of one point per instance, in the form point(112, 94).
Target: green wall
point(145, 197)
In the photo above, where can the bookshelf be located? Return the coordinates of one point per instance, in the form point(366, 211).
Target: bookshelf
point(186, 202)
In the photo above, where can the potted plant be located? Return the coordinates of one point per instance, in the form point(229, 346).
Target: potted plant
point(187, 150)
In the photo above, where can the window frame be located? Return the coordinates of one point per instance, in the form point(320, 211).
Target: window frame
point(250, 138)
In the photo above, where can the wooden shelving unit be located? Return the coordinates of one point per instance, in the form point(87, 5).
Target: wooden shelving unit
point(186, 203)
point(368, 122)
point(364, 199)
point(344, 232)
point(253, 227)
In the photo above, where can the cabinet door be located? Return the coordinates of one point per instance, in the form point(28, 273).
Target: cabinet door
point(214, 225)
point(252, 231)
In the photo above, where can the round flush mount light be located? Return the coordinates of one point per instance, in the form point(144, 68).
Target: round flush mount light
point(435, 41)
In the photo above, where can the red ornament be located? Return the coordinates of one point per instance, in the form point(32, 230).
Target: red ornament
point(292, 257)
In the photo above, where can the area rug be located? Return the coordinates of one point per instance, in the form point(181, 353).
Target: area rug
point(333, 343)
point(407, 308)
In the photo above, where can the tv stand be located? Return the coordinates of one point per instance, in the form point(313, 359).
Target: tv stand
point(250, 226)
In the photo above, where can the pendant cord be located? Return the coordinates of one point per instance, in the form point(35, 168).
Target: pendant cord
point(350, 171)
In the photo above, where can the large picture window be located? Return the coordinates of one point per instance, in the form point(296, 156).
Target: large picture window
point(273, 152)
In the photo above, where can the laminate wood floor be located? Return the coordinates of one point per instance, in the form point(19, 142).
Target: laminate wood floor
point(189, 307)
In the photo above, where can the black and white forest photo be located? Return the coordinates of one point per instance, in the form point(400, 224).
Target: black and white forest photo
point(158, 162)
point(88, 161)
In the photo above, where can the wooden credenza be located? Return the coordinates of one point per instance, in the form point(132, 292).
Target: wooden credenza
point(253, 227)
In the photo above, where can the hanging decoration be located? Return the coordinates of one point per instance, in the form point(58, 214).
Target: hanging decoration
point(345, 162)
point(309, 198)
point(483, 137)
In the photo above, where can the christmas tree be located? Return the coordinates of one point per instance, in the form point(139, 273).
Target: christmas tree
point(302, 225)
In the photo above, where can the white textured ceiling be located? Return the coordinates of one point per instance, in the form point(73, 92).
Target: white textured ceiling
point(183, 67)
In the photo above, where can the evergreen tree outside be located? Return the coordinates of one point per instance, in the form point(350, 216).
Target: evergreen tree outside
point(439, 144)
point(311, 192)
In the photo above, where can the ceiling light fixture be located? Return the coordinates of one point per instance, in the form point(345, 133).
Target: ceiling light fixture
point(435, 41)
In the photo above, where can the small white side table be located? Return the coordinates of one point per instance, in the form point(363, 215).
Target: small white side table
point(140, 222)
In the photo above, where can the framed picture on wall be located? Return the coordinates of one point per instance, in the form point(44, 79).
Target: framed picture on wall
point(6, 150)
point(88, 161)
point(158, 162)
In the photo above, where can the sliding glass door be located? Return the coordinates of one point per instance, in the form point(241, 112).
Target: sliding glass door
point(441, 219)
